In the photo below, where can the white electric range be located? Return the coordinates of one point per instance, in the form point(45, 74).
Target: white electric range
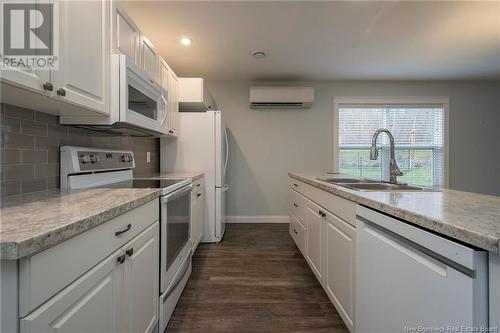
point(83, 168)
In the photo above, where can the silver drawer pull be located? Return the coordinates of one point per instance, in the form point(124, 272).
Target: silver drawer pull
point(127, 228)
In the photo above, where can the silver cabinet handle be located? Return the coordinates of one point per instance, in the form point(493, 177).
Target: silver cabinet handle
point(295, 205)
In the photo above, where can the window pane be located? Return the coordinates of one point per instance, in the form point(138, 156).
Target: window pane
point(356, 162)
point(417, 166)
point(419, 137)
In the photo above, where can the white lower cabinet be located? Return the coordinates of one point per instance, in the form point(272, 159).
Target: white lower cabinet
point(89, 304)
point(314, 231)
point(321, 226)
point(196, 218)
point(141, 283)
point(120, 294)
point(340, 244)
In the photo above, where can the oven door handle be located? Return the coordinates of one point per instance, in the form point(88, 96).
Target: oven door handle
point(178, 277)
point(177, 194)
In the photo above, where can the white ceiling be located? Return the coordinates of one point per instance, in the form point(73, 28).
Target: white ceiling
point(305, 40)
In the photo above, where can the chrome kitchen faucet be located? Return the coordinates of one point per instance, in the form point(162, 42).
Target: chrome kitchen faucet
point(394, 171)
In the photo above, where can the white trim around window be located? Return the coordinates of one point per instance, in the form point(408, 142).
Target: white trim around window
point(392, 101)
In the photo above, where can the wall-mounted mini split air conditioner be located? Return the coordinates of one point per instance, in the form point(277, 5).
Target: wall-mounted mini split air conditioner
point(281, 97)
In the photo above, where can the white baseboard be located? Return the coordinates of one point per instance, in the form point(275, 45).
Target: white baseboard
point(258, 219)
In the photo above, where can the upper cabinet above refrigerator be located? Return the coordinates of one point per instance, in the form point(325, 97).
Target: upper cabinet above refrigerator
point(194, 96)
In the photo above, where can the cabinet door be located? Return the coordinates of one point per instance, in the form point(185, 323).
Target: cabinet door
point(173, 90)
point(142, 280)
point(314, 231)
point(84, 45)
point(126, 35)
point(149, 58)
point(196, 219)
point(164, 73)
point(90, 304)
point(26, 76)
point(340, 265)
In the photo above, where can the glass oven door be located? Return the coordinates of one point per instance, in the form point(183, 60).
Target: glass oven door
point(175, 232)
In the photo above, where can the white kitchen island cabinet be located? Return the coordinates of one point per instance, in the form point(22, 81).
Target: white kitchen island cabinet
point(323, 227)
point(340, 259)
point(314, 231)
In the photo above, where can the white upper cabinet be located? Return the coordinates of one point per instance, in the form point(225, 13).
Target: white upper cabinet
point(173, 98)
point(164, 73)
point(194, 95)
point(26, 76)
point(149, 58)
point(84, 54)
point(126, 35)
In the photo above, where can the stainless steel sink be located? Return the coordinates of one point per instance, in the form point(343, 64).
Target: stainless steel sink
point(384, 187)
point(347, 180)
point(363, 184)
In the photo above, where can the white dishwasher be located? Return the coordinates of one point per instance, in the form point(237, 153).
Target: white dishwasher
point(411, 280)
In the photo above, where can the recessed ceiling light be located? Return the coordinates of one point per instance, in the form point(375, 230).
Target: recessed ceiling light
point(186, 41)
point(259, 54)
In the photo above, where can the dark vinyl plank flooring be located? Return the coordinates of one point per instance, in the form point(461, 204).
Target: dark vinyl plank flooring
point(255, 280)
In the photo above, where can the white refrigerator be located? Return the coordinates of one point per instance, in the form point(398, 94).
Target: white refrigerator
point(202, 145)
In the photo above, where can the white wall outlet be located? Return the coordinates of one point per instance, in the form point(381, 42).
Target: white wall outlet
point(148, 157)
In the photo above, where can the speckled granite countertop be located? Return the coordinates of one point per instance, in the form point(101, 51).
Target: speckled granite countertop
point(468, 217)
point(35, 222)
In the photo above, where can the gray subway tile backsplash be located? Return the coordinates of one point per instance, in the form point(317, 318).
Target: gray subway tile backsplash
point(30, 142)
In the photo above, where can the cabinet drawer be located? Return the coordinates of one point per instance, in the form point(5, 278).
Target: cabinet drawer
point(198, 185)
point(298, 233)
point(343, 208)
point(297, 205)
point(46, 273)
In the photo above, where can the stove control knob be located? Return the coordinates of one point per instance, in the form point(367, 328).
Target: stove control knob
point(94, 158)
point(126, 158)
point(85, 159)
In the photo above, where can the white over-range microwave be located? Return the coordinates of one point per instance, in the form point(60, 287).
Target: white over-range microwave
point(138, 105)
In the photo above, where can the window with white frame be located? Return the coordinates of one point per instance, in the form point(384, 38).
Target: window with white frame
point(419, 130)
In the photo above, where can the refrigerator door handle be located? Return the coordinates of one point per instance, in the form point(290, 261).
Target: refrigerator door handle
point(227, 150)
point(224, 187)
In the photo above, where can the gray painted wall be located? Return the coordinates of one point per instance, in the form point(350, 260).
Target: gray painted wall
point(266, 145)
